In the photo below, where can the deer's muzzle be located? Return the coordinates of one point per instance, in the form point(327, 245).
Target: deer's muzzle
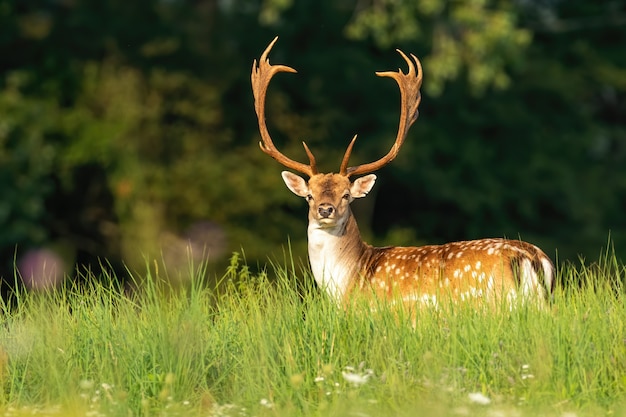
point(325, 210)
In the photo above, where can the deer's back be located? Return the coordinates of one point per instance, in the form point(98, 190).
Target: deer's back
point(467, 269)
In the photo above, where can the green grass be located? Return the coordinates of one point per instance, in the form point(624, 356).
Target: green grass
point(271, 345)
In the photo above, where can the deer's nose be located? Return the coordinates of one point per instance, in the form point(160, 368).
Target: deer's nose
point(325, 210)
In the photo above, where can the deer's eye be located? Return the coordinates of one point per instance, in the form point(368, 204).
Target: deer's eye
point(346, 196)
point(309, 197)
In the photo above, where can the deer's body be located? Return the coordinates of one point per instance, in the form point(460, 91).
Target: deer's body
point(493, 269)
point(342, 263)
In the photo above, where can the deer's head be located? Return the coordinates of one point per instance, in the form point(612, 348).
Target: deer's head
point(329, 195)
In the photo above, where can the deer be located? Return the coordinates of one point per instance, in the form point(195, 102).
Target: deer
point(342, 264)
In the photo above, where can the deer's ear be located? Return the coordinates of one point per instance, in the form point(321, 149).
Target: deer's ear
point(363, 185)
point(296, 184)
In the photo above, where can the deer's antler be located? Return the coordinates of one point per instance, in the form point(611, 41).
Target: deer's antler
point(410, 98)
point(261, 76)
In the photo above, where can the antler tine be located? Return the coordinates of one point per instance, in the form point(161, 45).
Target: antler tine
point(410, 98)
point(261, 76)
point(343, 170)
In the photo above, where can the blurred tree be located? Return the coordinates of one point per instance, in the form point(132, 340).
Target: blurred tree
point(480, 36)
point(26, 160)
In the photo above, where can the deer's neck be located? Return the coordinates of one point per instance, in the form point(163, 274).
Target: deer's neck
point(335, 254)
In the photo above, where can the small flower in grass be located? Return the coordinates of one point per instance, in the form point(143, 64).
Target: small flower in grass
point(266, 403)
point(479, 398)
point(107, 388)
point(355, 378)
point(225, 410)
point(525, 372)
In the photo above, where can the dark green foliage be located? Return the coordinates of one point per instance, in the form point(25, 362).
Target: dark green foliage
point(26, 160)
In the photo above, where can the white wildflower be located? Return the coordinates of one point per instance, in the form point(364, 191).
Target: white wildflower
point(479, 398)
point(224, 410)
point(266, 403)
point(525, 372)
point(356, 379)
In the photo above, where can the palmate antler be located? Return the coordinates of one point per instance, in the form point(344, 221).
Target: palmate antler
point(410, 98)
point(261, 76)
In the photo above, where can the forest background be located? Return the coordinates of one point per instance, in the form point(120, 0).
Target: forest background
point(128, 133)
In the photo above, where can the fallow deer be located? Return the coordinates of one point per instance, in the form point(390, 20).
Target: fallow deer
point(342, 263)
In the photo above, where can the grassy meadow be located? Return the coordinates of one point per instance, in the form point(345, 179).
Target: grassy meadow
point(271, 344)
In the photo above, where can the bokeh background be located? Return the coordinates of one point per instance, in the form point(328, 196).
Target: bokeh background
point(128, 133)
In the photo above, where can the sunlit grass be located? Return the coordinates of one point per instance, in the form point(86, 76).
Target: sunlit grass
point(272, 344)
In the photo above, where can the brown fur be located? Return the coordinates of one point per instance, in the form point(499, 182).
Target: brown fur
point(343, 263)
